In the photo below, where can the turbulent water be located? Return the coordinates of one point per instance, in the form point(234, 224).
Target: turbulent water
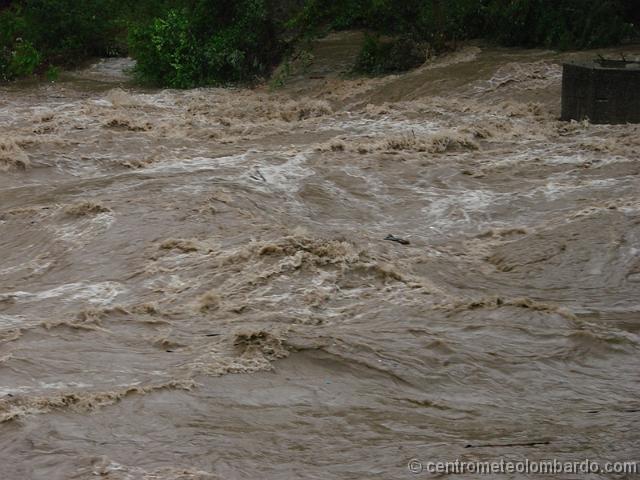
point(200, 284)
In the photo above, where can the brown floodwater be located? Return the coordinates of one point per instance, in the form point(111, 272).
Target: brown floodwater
point(199, 285)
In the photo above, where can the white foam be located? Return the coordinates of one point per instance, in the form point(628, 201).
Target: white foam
point(362, 126)
point(97, 294)
point(287, 176)
point(464, 203)
point(195, 164)
point(11, 321)
point(85, 229)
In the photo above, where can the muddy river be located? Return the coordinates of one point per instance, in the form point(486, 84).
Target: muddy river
point(321, 281)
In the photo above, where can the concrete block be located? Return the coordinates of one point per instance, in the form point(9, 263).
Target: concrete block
point(602, 91)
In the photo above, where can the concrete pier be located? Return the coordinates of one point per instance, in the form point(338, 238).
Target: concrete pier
point(602, 91)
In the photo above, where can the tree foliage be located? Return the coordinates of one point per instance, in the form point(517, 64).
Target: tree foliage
point(35, 33)
point(561, 24)
point(184, 43)
point(381, 56)
point(206, 43)
point(550, 23)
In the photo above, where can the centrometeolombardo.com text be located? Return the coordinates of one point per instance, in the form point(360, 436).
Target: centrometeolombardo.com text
point(526, 466)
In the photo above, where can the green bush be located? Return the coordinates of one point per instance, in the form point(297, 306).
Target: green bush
point(166, 51)
point(548, 23)
point(18, 57)
point(65, 32)
point(52, 73)
point(4, 64)
point(379, 57)
point(68, 30)
point(24, 60)
point(209, 43)
point(562, 24)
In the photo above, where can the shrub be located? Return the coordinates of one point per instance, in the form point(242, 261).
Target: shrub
point(209, 43)
point(549, 23)
point(562, 24)
point(166, 51)
point(388, 56)
point(68, 30)
point(18, 57)
point(24, 59)
point(64, 32)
